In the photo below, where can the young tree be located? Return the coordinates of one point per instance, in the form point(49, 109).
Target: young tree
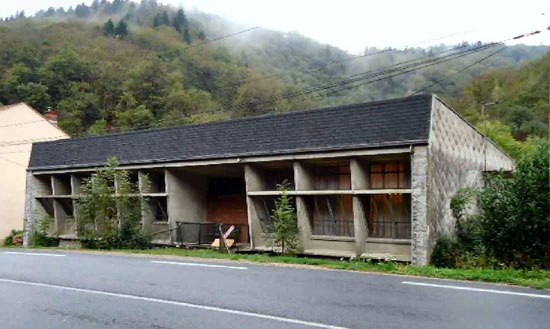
point(180, 22)
point(164, 19)
point(109, 28)
point(187, 36)
point(283, 230)
point(121, 29)
point(201, 35)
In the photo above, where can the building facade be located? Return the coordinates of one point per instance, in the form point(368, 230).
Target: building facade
point(20, 125)
point(371, 180)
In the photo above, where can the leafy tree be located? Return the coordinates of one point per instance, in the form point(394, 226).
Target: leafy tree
point(100, 127)
point(109, 28)
point(283, 231)
point(139, 117)
point(109, 214)
point(514, 213)
point(34, 94)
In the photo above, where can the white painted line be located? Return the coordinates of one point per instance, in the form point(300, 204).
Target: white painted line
point(32, 254)
point(170, 302)
point(492, 291)
point(200, 265)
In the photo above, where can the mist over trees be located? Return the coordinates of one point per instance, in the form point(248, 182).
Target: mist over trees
point(121, 65)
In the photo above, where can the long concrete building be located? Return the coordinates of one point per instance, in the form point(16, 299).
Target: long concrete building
point(372, 180)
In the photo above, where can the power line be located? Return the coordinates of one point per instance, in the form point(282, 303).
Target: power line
point(27, 141)
point(222, 37)
point(458, 72)
point(23, 123)
point(355, 78)
point(341, 61)
point(15, 163)
point(393, 70)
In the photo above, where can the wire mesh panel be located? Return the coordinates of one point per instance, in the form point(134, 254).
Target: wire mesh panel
point(389, 216)
point(331, 215)
point(190, 233)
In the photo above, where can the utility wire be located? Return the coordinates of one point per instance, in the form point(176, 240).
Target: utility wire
point(395, 68)
point(457, 72)
point(222, 37)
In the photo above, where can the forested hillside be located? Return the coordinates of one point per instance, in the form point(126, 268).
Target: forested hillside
point(119, 65)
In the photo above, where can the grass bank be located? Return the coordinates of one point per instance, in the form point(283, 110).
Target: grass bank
point(539, 279)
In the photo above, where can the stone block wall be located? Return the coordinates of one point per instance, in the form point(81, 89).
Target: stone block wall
point(458, 155)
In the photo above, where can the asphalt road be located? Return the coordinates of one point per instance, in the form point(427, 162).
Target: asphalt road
point(72, 290)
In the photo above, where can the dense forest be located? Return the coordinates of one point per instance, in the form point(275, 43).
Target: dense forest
point(120, 65)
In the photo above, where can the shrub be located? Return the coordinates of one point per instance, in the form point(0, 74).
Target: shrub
point(14, 239)
point(41, 236)
point(515, 213)
point(446, 253)
point(512, 227)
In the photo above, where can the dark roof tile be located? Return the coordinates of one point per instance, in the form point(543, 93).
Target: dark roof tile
point(393, 122)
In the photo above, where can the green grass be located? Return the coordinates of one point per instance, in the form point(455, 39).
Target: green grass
point(539, 279)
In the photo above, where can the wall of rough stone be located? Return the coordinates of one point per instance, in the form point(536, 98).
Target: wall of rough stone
point(33, 210)
point(456, 160)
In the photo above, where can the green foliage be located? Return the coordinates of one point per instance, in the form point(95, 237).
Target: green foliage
point(446, 253)
point(283, 231)
point(110, 214)
point(121, 30)
point(89, 68)
point(9, 241)
point(42, 237)
point(512, 226)
point(140, 117)
point(515, 213)
point(109, 28)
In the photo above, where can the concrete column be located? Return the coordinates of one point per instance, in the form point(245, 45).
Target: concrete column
point(186, 198)
point(419, 204)
point(254, 182)
point(359, 181)
point(303, 180)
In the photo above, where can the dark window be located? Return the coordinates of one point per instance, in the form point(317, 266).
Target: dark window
point(332, 177)
point(226, 185)
point(390, 175)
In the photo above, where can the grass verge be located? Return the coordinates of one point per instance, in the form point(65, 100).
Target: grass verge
point(539, 279)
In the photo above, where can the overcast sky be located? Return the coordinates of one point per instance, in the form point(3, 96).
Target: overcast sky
point(354, 24)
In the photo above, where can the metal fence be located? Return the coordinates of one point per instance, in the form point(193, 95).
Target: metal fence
point(390, 229)
point(333, 227)
point(193, 233)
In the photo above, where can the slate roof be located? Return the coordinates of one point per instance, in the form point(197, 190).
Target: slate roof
point(395, 122)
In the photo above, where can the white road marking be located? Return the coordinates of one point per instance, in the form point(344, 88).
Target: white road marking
point(170, 302)
point(200, 265)
point(493, 291)
point(32, 254)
